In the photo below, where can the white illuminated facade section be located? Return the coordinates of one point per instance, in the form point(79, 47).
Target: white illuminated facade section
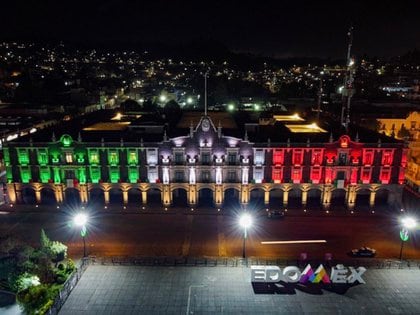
point(259, 157)
point(152, 174)
point(165, 172)
point(192, 176)
point(245, 172)
point(258, 175)
point(152, 157)
point(218, 176)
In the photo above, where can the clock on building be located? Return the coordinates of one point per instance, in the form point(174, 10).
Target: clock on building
point(205, 125)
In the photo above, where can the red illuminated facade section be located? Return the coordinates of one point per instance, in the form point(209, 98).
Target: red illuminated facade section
point(344, 162)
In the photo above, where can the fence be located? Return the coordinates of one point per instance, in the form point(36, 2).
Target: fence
point(68, 287)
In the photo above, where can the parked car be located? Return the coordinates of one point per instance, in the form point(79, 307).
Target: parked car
point(363, 252)
point(275, 214)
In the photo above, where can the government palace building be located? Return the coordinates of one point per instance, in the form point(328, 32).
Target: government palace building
point(216, 160)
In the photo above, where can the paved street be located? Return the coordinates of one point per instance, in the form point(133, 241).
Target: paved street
point(184, 233)
point(227, 290)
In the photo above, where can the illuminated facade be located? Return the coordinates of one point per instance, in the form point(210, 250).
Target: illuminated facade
point(207, 164)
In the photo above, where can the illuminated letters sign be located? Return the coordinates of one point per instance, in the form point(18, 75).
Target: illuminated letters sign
point(292, 274)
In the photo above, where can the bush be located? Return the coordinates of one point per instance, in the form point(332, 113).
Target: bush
point(37, 300)
point(25, 281)
point(70, 266)
point(60, 267)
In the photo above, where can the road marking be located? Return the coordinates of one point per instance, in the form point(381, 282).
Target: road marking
point(189, 297)
point(293, 242)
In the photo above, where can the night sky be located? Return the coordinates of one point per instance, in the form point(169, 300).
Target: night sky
point(273, 28)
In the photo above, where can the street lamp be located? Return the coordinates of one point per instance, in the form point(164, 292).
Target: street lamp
point(80, 220)
point(407, 224)
point(245, 221)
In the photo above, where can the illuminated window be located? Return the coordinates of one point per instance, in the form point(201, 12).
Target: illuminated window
point(133, 174)
point(113, 158)
point(81, 175)
point(93, 157)
point(42, 157)
point(25, 174)
point(132, 158)
point(259, 157)
point(387, 157)
point(385, 175)
point(95, 174)
point(278, 157)
point(152, 156)
point(23, 156)
point(44, 174)
point(297, 157)
point(276, 175)
point(316, 157)
point(258, 175)
point(152, 174)
point(368, 157)
point(315, 175)
point(69, 157)
point(297, 175)
point(114, 174)
point(366, 173)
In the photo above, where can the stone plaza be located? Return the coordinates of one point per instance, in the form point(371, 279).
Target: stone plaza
point(105, 289)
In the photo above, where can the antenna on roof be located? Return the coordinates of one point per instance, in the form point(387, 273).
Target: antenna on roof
point(205, 92)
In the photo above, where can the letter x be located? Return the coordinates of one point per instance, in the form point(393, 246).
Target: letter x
point(356, 275)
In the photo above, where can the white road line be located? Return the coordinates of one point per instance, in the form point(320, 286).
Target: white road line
point(293, 242)
point(189, 296)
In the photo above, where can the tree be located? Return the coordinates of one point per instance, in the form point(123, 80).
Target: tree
point(403, 133)
point(44, 241)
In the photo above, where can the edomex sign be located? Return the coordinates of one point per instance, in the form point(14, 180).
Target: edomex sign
point(292, 274)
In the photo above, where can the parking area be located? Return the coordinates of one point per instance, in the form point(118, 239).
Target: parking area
point(228, 290)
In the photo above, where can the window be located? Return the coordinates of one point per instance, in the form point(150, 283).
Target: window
point(44, 174)
point(278, 157)
point(23, 157)
point(296, 175)
point(205, 176)
point(42, 157)
point(95, 174)
point(231, 176)
point(366, 173)
point(277, 175)
point(316, 157)
point(113, 158)
point(387, 157)
point(315, 175)
point(385, 175)
point(258, 175)
point(368, 157)
point(132, 157)
point(342, 158)
point(259, 157)
point(114, 174)
point(205, 158)
point(297, 157)
point(133, 174)
point(25, 174)
point(152, 174)
point(179, 176)
point(152, 157)
point(232, 158)
point(69, 157)
point(179, 158)
point(94, 157)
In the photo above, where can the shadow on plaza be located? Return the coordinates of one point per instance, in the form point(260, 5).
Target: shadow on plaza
point(309, 288)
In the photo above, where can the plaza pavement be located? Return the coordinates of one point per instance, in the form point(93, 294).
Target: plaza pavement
point(228, 290)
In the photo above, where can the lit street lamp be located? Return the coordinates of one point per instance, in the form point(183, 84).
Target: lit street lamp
point(80, 220)
point(407, 225)
point(245, 222)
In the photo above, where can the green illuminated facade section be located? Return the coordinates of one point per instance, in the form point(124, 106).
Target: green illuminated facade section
point(57, 176)
point(114, 174)
point(93, 156)
point(44, 174)
point(25, 174)
point(132, 157)
point(66, 140)
point(81, 175)
point(95, 174)
point(113, 158)
point(133, 174)
point(6, 156)
point(23, 156)
point(42, 157)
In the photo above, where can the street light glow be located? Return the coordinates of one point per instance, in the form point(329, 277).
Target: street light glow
point(80, 219)
point(408, 223)
point(245, 221)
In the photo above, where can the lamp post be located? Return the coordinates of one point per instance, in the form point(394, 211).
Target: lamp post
point(81, 220)
point(245, 222)
point(407, 224)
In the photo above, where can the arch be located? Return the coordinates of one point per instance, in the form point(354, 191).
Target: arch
point(276, 197)
point(295, 198)
point(256, 198)
point(381, 197)
point(154, 196)
point(338, 197)
point(314, 198)
point(115, 196)
point(28, 195)
point(362, 198)
point(205, 197)
point(179, 197)
point(134, 196)
point(47, 196)
point(96, 197)
point(72, 196)
point(231, 197)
